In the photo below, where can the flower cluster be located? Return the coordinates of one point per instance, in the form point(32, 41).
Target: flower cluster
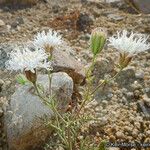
point(50, 39)
point(129, 43)
point(25, 60)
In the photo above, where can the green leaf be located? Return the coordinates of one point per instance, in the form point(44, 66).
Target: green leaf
point(21, 79)
point(102, 145)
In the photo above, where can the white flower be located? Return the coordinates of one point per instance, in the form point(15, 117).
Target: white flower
point(131, 44)
point(51, 38)
point(26, 59)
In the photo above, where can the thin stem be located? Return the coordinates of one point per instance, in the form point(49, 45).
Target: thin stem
point(88, 76)
point(57, 113)
point(69, 138)
point(50, 82)
point(38, 93)
point(105, 81)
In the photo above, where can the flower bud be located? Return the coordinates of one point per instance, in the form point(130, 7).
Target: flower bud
point(124, 60)
point(98, 40)
point(49, 49)
point(32, 77)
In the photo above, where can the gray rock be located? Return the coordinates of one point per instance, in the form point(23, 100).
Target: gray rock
point(24, 118)
point(115, 17)
point(126, 77)
point(143, 5)
point(65, 62)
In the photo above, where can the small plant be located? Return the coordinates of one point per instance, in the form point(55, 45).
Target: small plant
point(70, 127)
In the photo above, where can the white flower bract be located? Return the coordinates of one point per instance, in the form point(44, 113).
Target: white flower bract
point(25, 59)
point(51, 38)
point(131, 44)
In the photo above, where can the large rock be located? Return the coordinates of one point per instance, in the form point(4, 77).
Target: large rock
point(25, 116)
point(142, 5)
point(65, 62)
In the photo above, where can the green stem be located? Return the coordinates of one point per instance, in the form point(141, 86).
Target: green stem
point(57, 113)
point(105, 81)
point(69, 139)
point(88, 76)
point(38, 93)
point(50, 82)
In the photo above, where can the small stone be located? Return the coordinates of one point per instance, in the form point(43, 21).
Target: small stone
point(120, 135)
point(115, 17)
point(136, 86)
point(140, 75)
point(110, 95)
point(146, 100)
point(104, 103)
point(111, 1)
point(112, 138)
point(148, 133)
point(137, 94)
point(2, 23)
point(147, 91)
point(84, 21)
point(1, 82)
point(18, 21)
point(113, 148)
point(103, 121)
point(128, 129)
point(1, 112)
point(60, 148)
point(129, 95)
point(56, 8)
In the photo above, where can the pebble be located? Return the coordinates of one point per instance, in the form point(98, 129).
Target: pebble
point(2, 23)
point(129, 95)
point(119, 134)
point(1, 82)
point(140, 75)
point(1, 112)
point(148, 132)
point(103, 121)
point(115, 17)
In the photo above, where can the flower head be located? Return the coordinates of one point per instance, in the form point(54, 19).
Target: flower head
point(130, 44)
point(51, 39)
point(27, 60)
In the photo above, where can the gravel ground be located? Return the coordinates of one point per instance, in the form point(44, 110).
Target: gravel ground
point(120, 107)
